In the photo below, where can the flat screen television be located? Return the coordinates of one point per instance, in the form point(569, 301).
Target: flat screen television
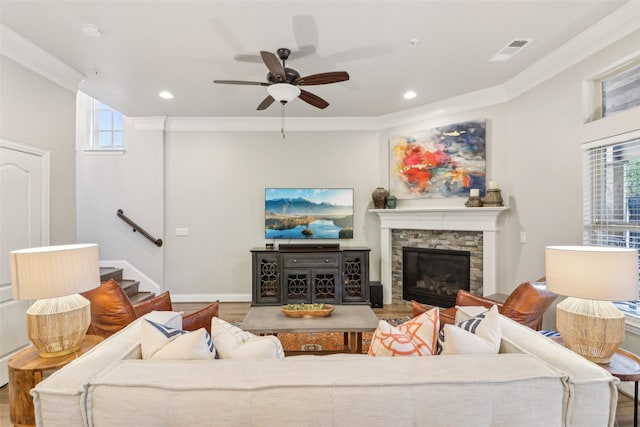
point(308, 213)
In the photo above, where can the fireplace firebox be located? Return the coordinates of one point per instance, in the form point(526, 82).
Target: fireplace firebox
point(434, 276)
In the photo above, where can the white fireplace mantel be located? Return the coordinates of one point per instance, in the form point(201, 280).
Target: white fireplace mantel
point(452, 218)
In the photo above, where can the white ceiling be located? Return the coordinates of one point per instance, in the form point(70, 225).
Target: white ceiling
point(181, 46)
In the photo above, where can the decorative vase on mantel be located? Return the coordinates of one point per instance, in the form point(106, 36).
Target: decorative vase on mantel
point(379, 196)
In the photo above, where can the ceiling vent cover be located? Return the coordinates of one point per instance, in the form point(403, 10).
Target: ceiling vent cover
point(513, 47)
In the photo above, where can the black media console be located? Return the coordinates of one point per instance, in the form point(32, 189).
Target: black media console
point(310, 273)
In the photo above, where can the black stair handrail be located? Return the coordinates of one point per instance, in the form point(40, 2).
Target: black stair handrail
point(136, 227)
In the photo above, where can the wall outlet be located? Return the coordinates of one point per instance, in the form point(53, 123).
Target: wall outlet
point(523, 237)
point(182, 231)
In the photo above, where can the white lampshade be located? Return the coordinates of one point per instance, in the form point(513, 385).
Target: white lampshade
point(592, 272)
point(54, 271)
point(283, 92)
point(54, 275)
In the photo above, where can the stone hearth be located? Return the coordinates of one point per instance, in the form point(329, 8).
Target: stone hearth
point(479, 224)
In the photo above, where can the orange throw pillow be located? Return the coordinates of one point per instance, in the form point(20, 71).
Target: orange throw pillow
point(415, 337)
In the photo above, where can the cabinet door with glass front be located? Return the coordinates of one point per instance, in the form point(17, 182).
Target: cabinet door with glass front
point(297, 286)
point(266, 278)
point(355, 276)
point(325, 285)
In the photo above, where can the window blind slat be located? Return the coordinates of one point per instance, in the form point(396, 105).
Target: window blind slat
point(611, 199)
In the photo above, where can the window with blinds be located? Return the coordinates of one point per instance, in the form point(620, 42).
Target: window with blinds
point(612, 195)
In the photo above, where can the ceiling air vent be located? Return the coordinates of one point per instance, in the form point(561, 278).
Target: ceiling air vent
point(507, 52)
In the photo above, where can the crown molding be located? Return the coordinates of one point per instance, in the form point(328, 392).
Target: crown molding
point(291, 124)
point(470, 101)
point(467, 102)
point(36, 59)
point(622, 22)
point(149, 123)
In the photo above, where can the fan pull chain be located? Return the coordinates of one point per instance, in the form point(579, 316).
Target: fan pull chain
point(282, 120)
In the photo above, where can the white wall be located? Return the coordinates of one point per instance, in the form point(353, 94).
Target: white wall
point(215, 185)
point(35, 111)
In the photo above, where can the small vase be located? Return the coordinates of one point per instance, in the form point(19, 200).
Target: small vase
point(391, 202)
point(379, 196)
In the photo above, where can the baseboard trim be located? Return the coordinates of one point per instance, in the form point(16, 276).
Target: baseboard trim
point(210, 297)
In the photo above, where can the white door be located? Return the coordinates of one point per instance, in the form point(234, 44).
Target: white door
point(24, 223)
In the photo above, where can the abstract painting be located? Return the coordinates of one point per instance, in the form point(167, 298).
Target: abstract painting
point(445, 161)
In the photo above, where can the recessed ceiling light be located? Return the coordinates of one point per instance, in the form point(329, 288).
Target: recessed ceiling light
point(409, 95)
point(91, 30)
point(166, 95)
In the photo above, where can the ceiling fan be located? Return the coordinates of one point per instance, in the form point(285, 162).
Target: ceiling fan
point(282, 82)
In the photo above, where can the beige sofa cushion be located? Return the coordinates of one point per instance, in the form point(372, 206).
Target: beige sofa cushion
point(591, 395)
point(60, 399)
point(512, 390)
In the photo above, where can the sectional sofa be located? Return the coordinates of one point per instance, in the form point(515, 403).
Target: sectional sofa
point(531, 382)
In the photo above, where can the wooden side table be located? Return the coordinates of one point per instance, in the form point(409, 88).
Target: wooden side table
point(26, 369)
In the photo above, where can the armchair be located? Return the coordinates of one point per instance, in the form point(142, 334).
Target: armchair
point(111, 310)
point(526, 304)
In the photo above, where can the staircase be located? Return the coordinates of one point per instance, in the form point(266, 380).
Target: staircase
point(130, 287)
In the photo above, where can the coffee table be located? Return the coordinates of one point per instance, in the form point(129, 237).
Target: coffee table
point(352, 320)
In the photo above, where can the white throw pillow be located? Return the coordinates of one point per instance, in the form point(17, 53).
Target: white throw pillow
point(172, 319)
point(179, 344)
point(479, 334)
point(466, 312)
point(232, 342)
point(194, 345)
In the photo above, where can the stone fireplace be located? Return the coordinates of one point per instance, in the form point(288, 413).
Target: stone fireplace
point(464, 229)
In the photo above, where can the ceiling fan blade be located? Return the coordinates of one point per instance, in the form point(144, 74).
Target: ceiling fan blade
point(241, 82)
point(273, 64)
point(266, 102)
point(312, 99)
point(322, 78)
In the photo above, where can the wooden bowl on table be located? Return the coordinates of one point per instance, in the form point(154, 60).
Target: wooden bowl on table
point(307, 310)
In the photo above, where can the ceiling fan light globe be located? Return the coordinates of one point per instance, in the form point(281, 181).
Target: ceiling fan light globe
point(283, 92)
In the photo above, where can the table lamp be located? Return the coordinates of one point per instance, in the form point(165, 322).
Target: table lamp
point(591, 277)
point(53, 275)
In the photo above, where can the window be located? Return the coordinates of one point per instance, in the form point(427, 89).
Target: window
point(621, 91)
point(107, 127)
point(616, 90)
point(612, 196)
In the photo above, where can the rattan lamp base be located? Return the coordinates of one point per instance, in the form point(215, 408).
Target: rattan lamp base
point(593, 329)
point(56, 326)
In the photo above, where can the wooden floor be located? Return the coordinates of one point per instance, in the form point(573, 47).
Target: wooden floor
point(235, 311)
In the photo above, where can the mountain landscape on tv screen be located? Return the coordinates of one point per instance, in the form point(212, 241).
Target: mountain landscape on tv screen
point(300, 218)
